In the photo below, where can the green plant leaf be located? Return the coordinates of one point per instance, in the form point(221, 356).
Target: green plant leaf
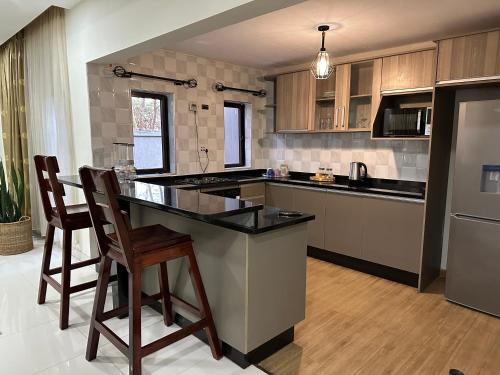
point(11, 203)
point(3, 194)
point(15, 183)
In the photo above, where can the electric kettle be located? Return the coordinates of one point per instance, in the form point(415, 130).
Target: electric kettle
point(357, 171)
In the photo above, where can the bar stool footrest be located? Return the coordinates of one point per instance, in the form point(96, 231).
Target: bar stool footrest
point(185, 305)
point(112, 337)
point(173, 337)
point(75, 288)
point(75, 266)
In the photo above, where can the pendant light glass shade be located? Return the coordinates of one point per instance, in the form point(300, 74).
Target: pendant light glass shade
point(321, 68)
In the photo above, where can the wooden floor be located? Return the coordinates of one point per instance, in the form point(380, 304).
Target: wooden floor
point(360, 324)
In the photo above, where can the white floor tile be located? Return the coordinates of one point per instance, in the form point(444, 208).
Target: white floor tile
point(173, 359)
point(31, 342)
point(39, 348)
point(80, 366)
point(19, 309)
point(209, 366)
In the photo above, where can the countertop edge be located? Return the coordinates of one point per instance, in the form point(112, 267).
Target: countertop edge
point(342, 188)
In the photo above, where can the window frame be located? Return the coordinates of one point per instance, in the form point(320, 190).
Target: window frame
point(165, 144)
point(241, 107)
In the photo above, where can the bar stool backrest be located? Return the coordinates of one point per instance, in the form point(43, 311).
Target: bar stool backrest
point(106, 210)
point(48, 166)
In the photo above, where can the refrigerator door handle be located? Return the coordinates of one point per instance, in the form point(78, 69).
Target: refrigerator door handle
point(476, 218)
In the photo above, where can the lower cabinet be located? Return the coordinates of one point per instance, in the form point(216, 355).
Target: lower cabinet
point(313, 202)
point(254, 192)
point(392, 233)
point(278, 195)
point(301, 199)
point(343, 224)
point(382, 230)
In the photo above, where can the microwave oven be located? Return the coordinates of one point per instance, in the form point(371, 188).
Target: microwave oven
point(409, 122)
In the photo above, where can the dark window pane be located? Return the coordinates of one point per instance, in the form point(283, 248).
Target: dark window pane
point(147, 126)
point(232, 136)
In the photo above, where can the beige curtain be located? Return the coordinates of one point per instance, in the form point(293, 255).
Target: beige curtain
point(14, 135)
point(47, 100)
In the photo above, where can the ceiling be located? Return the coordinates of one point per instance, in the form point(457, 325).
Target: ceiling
point(15, 14)
point(288, 36)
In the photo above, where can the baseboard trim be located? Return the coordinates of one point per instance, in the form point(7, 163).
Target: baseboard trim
point(389, 273)
point(255, 356)
point(242, 360)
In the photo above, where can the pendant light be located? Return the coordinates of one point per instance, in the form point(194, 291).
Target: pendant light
point(321, 67)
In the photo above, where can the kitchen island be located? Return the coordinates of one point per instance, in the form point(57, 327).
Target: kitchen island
point(251, 258)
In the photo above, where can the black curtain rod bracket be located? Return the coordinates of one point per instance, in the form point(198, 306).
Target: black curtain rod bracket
point(219, 86)
point(121, 72)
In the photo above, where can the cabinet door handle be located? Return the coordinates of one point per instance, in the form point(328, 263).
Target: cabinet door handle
point(343, 116)
point(336, 117)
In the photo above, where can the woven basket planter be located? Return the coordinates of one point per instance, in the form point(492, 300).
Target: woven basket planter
point(16, 238)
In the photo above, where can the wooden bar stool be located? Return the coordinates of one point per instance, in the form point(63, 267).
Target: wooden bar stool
point(136, 249)
point(68, 219)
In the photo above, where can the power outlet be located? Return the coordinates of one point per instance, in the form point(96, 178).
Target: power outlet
point(204, 149)
point(193, 107)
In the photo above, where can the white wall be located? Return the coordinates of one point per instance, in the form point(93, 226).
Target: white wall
point(96, 29)
point(111, 108)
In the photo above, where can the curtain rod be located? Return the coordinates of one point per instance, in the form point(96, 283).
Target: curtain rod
point(219, 86)
point(120, 72)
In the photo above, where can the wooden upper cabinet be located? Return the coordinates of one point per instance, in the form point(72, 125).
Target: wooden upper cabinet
point(342, 77)
point(325, 88)
point(470, 56)
point(408, 71)
point(364, 94)
point(295, 101)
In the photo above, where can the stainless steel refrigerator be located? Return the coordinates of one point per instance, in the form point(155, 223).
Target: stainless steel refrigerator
point(473, 269)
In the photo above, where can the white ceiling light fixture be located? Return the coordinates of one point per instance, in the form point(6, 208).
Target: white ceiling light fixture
point(322, 67)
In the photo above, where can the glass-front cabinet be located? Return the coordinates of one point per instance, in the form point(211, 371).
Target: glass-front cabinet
point(360, 96)
point(325, 104)
point(345, 102)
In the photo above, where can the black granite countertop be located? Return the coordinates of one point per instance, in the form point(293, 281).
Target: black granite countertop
point(387, 187)
point(267, 219)
point(208, 208)
point(393, 188)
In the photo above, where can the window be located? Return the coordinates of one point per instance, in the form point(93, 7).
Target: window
point(149, 116)
point(234, 134)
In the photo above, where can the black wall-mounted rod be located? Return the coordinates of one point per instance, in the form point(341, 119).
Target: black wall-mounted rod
point(219, 86)
point(120, 72)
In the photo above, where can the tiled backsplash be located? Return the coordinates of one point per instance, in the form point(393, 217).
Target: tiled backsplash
point(406, 160)
point(111, 119)
point(111, 116)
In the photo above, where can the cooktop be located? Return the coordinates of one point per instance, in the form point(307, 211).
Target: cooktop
point(202, 180)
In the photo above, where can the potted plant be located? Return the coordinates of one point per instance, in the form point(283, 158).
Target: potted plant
point(15, 229)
